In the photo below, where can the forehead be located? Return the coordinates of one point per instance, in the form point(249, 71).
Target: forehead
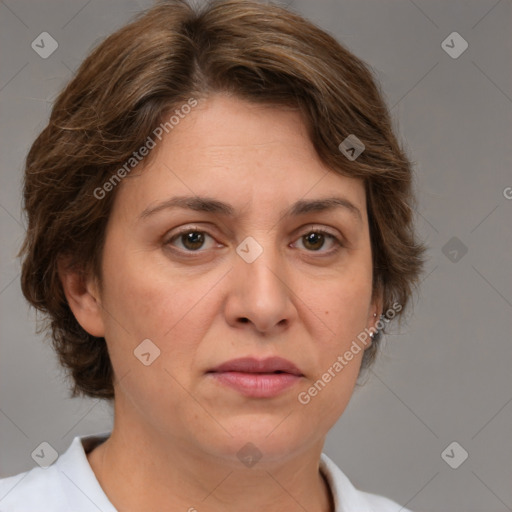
point(243, 152)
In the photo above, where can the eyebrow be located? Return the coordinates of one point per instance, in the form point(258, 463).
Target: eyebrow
point(210, 205)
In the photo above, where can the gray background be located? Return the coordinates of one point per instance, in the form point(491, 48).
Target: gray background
point(445, 376)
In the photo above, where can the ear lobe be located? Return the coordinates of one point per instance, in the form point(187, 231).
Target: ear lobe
point(83, 298)
point(375, 310)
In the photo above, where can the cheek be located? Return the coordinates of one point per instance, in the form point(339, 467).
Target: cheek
point(143, 297)
point(339, 353)
point(341, 307)
point(342, 303)
point(323, 399)
point(173, 310)
point(142, 303)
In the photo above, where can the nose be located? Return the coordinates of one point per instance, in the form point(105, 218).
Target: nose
point(260, 297)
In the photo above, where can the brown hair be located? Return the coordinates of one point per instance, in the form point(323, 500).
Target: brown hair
point(134, 79)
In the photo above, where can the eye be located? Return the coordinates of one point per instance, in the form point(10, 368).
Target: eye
point(191, 240)
point(195, 240)
point(315, 240)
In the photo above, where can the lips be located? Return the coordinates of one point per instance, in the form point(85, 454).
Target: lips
point(255, 378)
point(270, 365)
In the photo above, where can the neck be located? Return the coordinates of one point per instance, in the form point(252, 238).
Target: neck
point(155, 474)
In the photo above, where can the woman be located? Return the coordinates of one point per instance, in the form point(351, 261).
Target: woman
point(219, 229)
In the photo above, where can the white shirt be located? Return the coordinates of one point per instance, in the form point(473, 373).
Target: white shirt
point(70, 484)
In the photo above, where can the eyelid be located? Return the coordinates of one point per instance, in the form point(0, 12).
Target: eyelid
point(318, 228)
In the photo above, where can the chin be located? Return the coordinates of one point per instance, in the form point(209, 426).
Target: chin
point(266, 439)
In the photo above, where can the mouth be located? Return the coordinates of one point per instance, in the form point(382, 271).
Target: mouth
point(271, 365)
point(257, 378)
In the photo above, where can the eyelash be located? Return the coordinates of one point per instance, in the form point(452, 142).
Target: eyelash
point(319, 231)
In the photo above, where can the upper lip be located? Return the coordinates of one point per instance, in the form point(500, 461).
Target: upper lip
point(253, 365)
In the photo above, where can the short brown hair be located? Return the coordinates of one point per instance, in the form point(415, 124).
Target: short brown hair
point(129, 83)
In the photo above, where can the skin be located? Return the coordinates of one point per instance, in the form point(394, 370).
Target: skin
point(176, 429)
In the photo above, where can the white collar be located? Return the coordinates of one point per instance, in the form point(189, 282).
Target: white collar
point(75, 466)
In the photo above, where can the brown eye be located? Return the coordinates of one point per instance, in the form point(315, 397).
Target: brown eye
point(193, 240)
point(315, 241)
point(189, 240)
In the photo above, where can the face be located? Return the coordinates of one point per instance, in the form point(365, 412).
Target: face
point(250, 271)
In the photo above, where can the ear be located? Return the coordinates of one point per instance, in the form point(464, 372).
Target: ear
point(82, 294)
point(375, 310)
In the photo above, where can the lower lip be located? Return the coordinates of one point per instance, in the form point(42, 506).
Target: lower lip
point(258, 385)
